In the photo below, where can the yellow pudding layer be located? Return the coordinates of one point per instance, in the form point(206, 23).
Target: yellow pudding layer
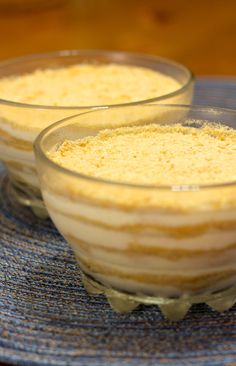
point(174, 155)
point(86, 84)
point(154, 155)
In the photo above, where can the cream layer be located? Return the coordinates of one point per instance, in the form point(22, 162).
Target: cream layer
point(21, 164)
point(16, 131)
point(182, 284)
point(198, 264)
point(94, 233)
point(139, 288)
point(117, 217)
point(10, 153)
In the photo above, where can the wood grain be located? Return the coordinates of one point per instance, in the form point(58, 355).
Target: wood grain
point(200, 34)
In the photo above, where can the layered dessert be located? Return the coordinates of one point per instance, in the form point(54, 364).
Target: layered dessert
point(37, 100)
point(149, 210)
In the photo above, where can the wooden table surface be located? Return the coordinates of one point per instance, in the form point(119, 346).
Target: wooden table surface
point(200, 34)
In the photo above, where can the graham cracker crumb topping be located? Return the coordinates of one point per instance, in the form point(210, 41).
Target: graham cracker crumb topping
point(154, 154)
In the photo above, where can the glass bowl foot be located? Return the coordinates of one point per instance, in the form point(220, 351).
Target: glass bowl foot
point(222, 304)
point(172, 309)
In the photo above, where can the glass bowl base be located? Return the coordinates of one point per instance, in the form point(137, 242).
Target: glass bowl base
point(173, 309)
point(27, 197)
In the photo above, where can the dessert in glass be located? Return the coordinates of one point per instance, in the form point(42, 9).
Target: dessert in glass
point(38, 90)
point(149, 208)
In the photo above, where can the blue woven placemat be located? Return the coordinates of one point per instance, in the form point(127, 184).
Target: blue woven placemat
point(46, 317)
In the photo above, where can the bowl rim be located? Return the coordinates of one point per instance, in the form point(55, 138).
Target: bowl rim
point(119, 55)
point(39, 152)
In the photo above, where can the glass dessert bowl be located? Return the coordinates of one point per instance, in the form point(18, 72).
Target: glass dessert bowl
point(38, 90)
point(149, 209)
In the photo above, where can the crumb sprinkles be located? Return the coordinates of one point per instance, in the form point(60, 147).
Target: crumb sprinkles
point(154, 154)
point(86, 85)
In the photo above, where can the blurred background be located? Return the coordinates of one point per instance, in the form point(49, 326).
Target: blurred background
point(200, 34)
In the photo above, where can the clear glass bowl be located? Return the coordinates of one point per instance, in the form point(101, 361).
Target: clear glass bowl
point(144, 253)
point(16, 145)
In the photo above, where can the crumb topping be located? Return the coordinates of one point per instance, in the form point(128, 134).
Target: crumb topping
point(86, 85)
point(154, 155)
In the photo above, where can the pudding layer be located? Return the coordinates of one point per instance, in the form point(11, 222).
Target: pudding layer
point(142, 239)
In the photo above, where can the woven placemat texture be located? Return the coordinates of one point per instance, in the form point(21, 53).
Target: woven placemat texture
point(47, 318)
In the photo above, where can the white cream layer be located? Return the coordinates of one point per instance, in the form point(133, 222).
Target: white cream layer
point(154, 290)
point(19, 156)
point(118, 217)
point(63, 208)
point(26, 159)
point(111, 238)
point(18, 132)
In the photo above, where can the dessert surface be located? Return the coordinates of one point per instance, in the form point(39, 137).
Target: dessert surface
point(86, 85)
point(154, 154)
